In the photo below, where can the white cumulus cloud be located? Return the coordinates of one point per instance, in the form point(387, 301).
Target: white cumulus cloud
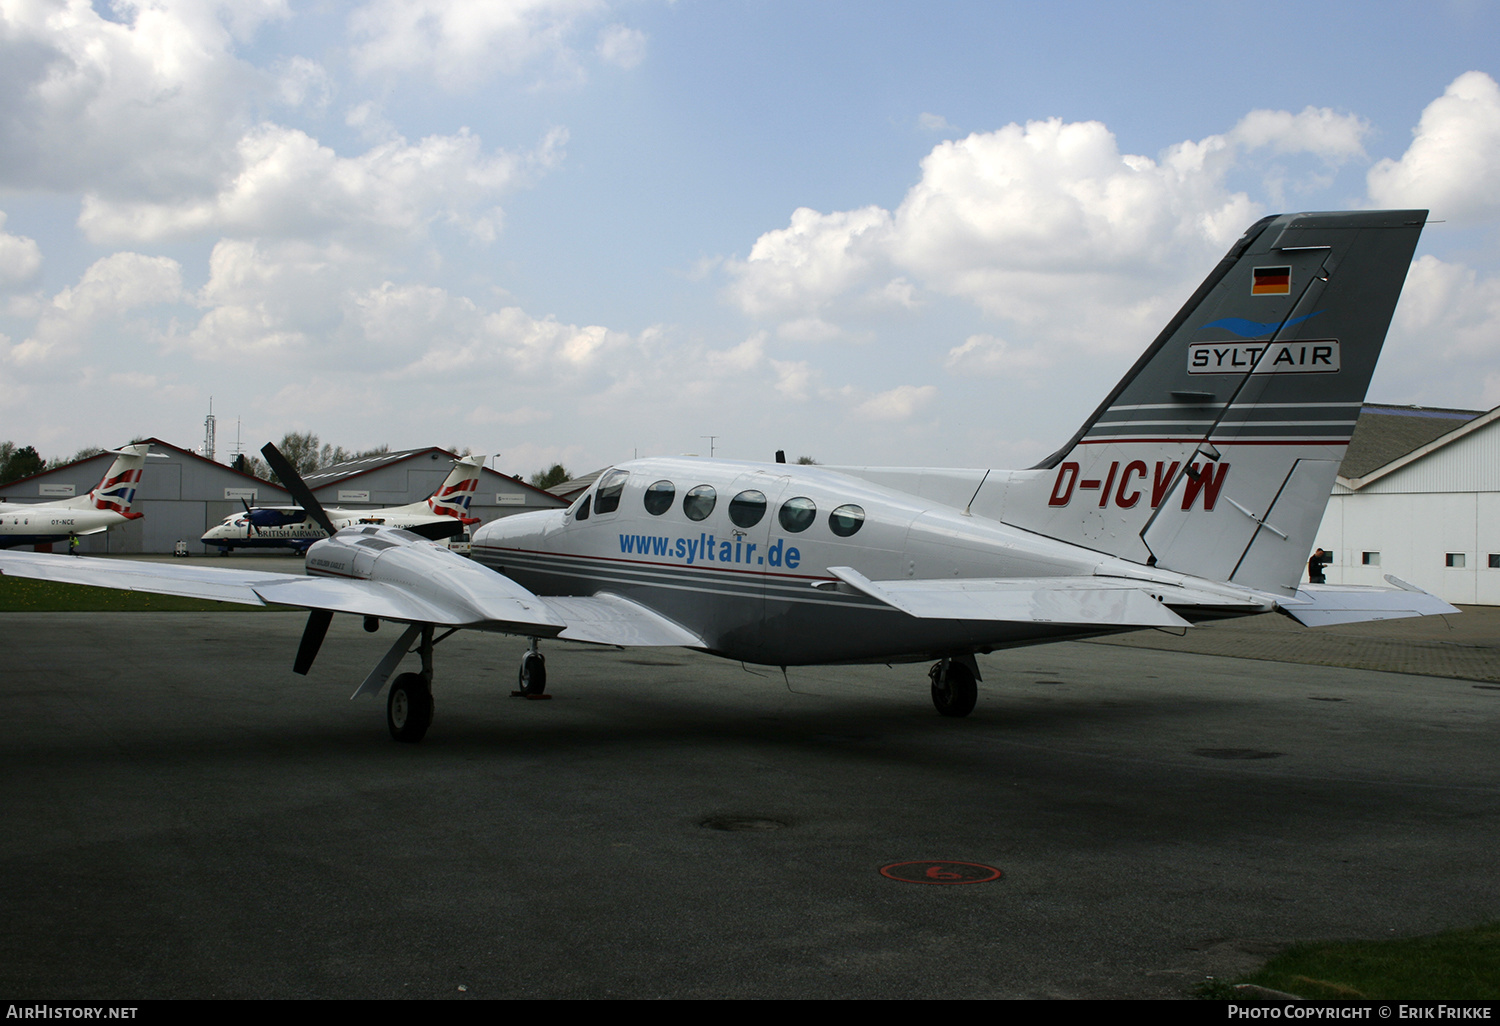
point(111, 288)
point(20, 257)
point(463, 42)
point(1047, 225)
point(1450, 166)
point(147, 103)
point(288, 184)
point(621, 46)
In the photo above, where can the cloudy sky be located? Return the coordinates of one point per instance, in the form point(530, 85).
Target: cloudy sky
point(582, 230)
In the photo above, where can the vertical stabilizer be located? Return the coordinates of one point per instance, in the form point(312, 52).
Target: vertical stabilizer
point(453, 496)
point(116, 490)
point(1217, 452)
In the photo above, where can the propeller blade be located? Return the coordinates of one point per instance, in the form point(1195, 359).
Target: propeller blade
point(312, 640)
point(249, 519)
point(438, 531)
point(294, 484)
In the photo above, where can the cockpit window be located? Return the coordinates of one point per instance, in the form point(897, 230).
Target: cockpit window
point(845, 520)
point(699, 502)
point(798, 514)
point(659, 497)
point(607, 499)
point(746, 508)
point(583, 508)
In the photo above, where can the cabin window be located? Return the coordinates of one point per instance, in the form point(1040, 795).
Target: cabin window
point(1370, 558)
point(659, 497)
point(746, 508)
point(1495, 560)
point(797, 514)
point(845, 520)
point(583, 508)
point(607, 499)
point(1455, 560)
point(698, 503)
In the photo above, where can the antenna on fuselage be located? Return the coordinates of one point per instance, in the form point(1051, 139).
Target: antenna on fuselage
point(982, 480)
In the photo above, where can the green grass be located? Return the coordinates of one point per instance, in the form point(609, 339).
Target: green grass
point(1457, 965)
point(22, 595)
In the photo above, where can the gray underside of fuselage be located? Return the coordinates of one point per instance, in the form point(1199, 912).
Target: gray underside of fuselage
point(770, 619)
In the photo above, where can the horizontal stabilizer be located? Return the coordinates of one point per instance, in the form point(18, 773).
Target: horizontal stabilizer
point(1088, 601)
point(1322, 605)
point(612, 620)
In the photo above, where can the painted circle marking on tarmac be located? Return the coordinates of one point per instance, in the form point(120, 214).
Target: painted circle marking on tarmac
point(940, 872)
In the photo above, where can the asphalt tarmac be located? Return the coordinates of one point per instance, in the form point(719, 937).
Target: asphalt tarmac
point(185, 817)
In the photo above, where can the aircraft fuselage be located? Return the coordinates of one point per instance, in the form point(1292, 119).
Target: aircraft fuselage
point(22, 524)
point(750, 574)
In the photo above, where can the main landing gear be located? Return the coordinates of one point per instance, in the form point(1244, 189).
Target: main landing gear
point(408, 707)
point(954, 688)
point(533, 679)
point(408, 710)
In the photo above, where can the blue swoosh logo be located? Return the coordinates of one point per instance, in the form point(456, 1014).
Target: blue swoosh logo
point(1245, 328)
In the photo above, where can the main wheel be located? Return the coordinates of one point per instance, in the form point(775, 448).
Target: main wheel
point(953, 689)
point(408, 710)
point(533, 674)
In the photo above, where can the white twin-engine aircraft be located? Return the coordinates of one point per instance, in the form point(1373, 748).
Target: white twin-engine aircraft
point(1192, 493)
point(106, 506)
point(442, 514)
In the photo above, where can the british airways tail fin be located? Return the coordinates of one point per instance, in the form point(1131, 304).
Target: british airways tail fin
point(453, 496)
point(116, 490)
point(1216, 454)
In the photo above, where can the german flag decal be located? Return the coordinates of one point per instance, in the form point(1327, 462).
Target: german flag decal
point(1272, 281)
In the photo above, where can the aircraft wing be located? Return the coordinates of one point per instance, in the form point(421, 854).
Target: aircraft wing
point(495, 603)
point(505, 606)
point(1322, 605)
point(220, 584)
point(611, 620)
point(1091, 601)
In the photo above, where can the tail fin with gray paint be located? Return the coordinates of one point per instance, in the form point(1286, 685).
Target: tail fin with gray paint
point(1216, 454)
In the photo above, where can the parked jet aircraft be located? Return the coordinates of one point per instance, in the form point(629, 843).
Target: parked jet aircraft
point(1192, 493)
point(108, 505)
point(442, 514)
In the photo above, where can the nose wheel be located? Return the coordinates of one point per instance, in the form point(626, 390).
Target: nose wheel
point(533, 677)
point(954, 690)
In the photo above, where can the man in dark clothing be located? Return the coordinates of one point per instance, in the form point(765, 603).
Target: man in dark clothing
point(1315, 566)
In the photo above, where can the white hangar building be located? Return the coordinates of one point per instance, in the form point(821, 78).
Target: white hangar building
point(1418, 497)
point(182, 494)
point(396, 478)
